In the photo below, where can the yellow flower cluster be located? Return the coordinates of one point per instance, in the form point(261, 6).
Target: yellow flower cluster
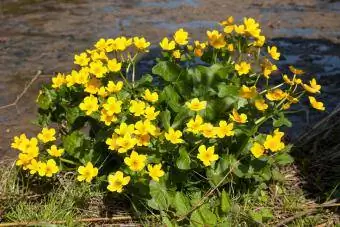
point(272, 143)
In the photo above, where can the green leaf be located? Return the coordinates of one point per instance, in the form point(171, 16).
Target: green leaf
point(144, 80)
point(283, 159)
point(73, 141)
point(182, 204)
point(72, 113)
point(171, 97)
point(225, 90)
point(46, 98)
point(225, 202)
point(160, 197)
point(203, 217)
point(165, 117)
point(183, 161)
point(262, 215)
point(180, 117)
point(281, 121)
point(167, 70)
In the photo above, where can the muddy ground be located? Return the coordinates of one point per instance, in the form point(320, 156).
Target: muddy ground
point(45, 34)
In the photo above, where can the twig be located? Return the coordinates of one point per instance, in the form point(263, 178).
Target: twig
point(298, 215)
point(15, 103)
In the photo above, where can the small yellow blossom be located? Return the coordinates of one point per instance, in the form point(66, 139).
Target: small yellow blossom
point(176, 54)
point(315, 104)
point(273, 142)
point(287, 80)
point(114, 65)
point(117, 182)
point(102, 92)
point(112, 106)
point(112, 142)
point(273, 52)
point(58, 81)
point(98, 56)
point(48, 169)
point(216, 39)
point(34, 166)
point(242, 68)
point(199, 48)
point(230, 47)
point(114, 87)
point(137, 107)
point(81, 59)
point(208, 130)
point(239, 118)
point(257, 150)
point(90, 105)
point(296, 71)
point(251, 27)
point(143, 140)
point(122, 43)
point(98, 69)
point(55, 152)
point(261, 105)
point(207, 156)
point(166, 45)
point(224, 129)
point(140, 43)
point(276, 95)
point(239, 29)
point(106, 118)
point(101, 44)
point(155, 171)
point(144, 128)
point(23, 160)
point(268, 68)
point(47, 135)
point(93, 86)
point(150, 96)
point(181, 37)
point(87, 172)
point(150, 113)
point(125, 129)
point(194, 125)
point(313, 87)
point(248, 92)
point(135, 162)
point(173, 136)
point(259, 42)
point(228, 21)
point(126, 143)
point(20, 141)
point(196, 105)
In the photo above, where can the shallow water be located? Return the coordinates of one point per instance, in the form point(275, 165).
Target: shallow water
point(44, 35)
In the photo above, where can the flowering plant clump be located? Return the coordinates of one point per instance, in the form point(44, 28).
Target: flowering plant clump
point(195, 134)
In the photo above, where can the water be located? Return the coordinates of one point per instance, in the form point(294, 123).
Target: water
point(45, 34)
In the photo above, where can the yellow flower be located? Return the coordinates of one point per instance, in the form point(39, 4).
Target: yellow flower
point(70, 80)
point(239, 118)
point(48, 169)
point(34, 166)
point(81, 59)
point(176, 54)
point(260, 104)
point(199, 48)
point(230, 47)
point(98, 69)
point(102, 92)
point(114, 87)
point(135, 162)
point(287, 80)
point(295, 70)
point(166, 45)
point(101, 44)
point(276, 95)
point(242, 68)
point(117, 182)
point(208, 130)
point(58, 81)
point(216, 39)
point(194, 125)
point(90, 105)
point(144, 128)
point(55, 152)
point(224, 129)
point(150, 113)
point(112, 106)
point(122, 43)
point(228, 29)
point(151, 97)
point(268, 68)
point(251, 27)
point(228, 21)
point(98, 56)
point(83, 76)
point(257, 150)
point(30, 147)
point(181, 37)
point(239, 29)
point(196, 105)
point(137, 107)
point(114, 65)
point(106, 118)
point(87, 172)
point(47, 135)
point(23, 160)
point(273, 142)
point(273, 52)
point(315, 104)
point(141, 43)
point(124, 129)
point(259, 42)
point(112, 142)
point(143, 140)
point(173, 136)
point(207, 156)
point(92, 86)
point(126, 143)
point(248, 92)
point(155, 171)
point(20, 141)
point(313, 87)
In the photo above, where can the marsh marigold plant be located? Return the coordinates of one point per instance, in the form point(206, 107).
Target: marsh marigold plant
point(213, 118)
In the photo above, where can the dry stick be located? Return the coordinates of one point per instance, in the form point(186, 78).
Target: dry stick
point(207, 194)
point(15, 103)
point(114, 219)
